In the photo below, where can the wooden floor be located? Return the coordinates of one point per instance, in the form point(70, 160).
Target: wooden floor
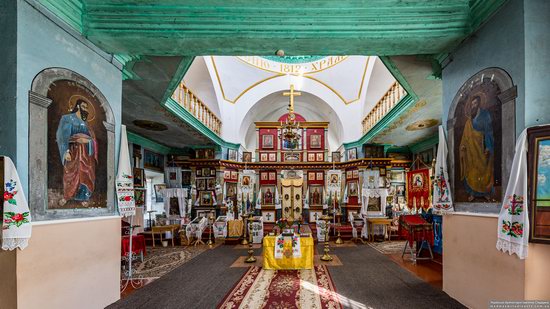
point(429, 271)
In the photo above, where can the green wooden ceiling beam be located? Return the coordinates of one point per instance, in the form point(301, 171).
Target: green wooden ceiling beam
point(300, 27)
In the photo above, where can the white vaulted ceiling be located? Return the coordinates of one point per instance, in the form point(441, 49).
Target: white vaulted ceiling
point(243, 90)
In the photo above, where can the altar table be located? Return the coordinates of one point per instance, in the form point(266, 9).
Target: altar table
point(385, 222)
point(304, 262)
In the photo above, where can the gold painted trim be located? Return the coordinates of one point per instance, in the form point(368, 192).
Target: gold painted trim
point(307, 124)
point(242, 93)
point(280, 75)
point(271, 71)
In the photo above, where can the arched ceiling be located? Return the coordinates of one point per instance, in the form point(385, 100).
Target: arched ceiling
point(340, 82)
point(272, 106)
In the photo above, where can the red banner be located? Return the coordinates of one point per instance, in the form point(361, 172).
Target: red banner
point(418, 189)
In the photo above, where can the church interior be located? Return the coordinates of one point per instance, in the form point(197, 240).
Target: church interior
point(275, 154)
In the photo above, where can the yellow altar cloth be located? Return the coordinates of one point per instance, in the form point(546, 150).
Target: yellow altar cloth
point(305, 262)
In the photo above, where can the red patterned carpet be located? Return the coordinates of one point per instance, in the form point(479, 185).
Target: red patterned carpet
point(271, 289)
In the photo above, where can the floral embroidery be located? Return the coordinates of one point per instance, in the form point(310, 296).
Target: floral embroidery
point(13, 218)
point(441, 186)
point(127, 198)
point(514, 229)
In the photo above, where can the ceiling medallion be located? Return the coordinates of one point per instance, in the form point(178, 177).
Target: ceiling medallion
point(150, 125)
point(422, 124)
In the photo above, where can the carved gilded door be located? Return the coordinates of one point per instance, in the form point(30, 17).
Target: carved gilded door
point(292, 198)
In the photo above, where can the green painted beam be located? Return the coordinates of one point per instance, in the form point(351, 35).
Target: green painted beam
point(391, 116)
point(300, 27)
point(184, 65)
point(150, 144)
point(184, 115)
point(128, 62)
point(70, 11)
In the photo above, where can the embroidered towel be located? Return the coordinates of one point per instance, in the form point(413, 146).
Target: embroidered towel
point(124, 179)
point(442, 199)
point(280, 243)
point(513, 220)
point(16, 219)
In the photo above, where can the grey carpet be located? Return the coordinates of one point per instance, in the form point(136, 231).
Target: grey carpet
point(367, 278)
point(372, 279)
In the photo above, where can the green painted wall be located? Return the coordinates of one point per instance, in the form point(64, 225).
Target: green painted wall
point(8, 56)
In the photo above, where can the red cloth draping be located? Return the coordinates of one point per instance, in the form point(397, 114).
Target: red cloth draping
point(415, 228)
point(418, 189)
point(138, 244)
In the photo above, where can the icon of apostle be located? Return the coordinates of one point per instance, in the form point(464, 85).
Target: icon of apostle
point(78, 150)
point(476, 151)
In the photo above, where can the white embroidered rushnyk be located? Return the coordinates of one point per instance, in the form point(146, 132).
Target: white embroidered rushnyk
point(124, 179)
point(442, 198)
point(16, 219)
point(279, 246)
point(513, 220)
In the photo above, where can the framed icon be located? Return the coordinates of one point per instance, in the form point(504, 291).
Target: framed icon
point(139, 177)
point(352, 154)
point(336, 157)
point(232, 155)
point(268, 195)
point(206, 198)
point(263, 156)
point(272, 157)
point(311, 176)
point(315, 141)
point(315, 195)
point(211, 183)
point(319, 157)
point(267, 141)
point(247, 156)
point(320, 175)
point(201, 184)
point(311, 157)
point(264, 176)
point(272, 176)
point(234, 175)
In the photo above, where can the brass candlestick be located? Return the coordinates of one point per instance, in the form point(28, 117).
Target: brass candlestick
point(244, 242)
point(326, 257)
point(250, 258)
point(209, 243)
point(339, 240)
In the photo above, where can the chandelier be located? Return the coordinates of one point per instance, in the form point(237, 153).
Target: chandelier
point(290, 129)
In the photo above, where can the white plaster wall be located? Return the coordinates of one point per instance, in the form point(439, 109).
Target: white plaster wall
point(378, 84)
point(199, 81)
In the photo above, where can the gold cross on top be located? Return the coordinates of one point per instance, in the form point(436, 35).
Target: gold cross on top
point(291, 94)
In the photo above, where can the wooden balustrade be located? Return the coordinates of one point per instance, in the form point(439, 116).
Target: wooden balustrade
point(197, 108)
point(383, 106)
